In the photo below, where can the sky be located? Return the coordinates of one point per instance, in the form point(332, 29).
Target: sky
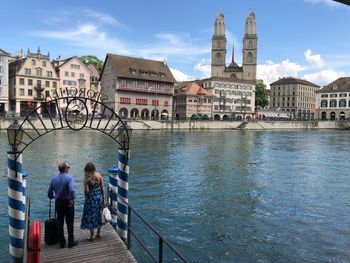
point(308, 39)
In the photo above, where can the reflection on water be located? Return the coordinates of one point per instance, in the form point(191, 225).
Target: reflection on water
point(220, 196)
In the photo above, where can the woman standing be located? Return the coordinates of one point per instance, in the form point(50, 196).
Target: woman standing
point(94, 201)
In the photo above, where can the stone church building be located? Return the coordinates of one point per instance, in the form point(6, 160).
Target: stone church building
point(218, 52)
point(233, 86)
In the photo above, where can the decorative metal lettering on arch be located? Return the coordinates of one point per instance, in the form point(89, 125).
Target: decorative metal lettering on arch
point(74, 113)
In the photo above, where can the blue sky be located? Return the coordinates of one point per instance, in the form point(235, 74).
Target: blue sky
point(302, 38)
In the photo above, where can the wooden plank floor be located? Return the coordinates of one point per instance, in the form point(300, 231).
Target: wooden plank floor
point(108, 248)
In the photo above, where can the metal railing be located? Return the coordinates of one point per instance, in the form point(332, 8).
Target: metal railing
point(161, 239)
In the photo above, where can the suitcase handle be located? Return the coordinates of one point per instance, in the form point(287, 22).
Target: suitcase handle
point(49, 208)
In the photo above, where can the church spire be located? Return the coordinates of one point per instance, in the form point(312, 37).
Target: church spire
point(233, 53)
point(219, 28)
point(250, 26)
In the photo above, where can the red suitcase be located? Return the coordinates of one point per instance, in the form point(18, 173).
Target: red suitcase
point(34, 238)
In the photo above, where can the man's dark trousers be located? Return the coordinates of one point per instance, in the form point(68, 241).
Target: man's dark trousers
point(65, 209)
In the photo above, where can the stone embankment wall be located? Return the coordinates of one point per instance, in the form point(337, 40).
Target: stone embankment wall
point(206, 125)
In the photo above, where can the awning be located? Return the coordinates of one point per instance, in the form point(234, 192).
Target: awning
point(164, 114)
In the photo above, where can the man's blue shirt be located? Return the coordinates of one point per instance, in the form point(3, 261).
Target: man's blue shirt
point(61, 187)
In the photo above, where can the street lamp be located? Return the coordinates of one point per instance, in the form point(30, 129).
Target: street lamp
point(15, 135)
point(125, 131)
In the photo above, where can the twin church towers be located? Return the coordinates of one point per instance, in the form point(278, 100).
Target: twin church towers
point(218, 51)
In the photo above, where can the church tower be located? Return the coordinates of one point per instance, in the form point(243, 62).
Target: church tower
point(218, 47)
point(250, 48)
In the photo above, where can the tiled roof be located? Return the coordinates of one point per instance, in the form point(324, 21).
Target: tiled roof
point(4, 52)
point(291, 80)
point(138, 68)
point(192, 88)
point(339, 85)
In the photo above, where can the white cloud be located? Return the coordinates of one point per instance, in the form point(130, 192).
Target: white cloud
point(270, 71)
point(324, 77)
point(86, 36)
point(204, 68)
point(179, 46)
point(324, 2)
point(180, 76)
point(314, 59)
point(103, 18)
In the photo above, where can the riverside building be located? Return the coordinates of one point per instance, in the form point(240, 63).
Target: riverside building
point(137, 88)
point(233, 100)
point(333, 100)
point(294, 96)
point(192, 101)
point(30, 79)
point(5, 59)
point(74, 76)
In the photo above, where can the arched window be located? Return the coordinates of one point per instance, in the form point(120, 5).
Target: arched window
point(250, 44)
point(233, 76)
point(250, 57)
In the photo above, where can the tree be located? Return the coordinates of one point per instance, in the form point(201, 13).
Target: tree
point(260, 94)
point(92, 60)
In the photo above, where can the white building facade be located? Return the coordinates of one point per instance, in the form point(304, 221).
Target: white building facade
point(5, 59)
point(233, 99)
point(333, 100)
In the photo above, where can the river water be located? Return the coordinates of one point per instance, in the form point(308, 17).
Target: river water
point(218, 196)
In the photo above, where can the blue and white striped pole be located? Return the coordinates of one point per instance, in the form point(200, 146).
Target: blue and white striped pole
point(123, 188)
point(16, 208)
point(24, 187)
point(113, 187)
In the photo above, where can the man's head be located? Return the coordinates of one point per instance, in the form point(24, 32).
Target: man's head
point(63, 167)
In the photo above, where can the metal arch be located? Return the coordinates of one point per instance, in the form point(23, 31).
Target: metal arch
point(65, 122)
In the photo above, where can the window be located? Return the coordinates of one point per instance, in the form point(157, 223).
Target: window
point(342, 103)
point(343, 95)
point(1, 69)
point(30, 92)
point(21, 92)
point(250, 57)
point(33, 62)
point(125, 100)
point(47, 84)
point(39, 72)
point(334, 95)
point(166, 103)
point(0, 80)
point(333, 104)
point(324, 96)
point(21, 81)
point(30, 82)
point(75, 66)
point(27, 71)
point(155, 102)
point(141, 101)
point(49, 73)
point(43, 63)
point(66, 74)
point(72, 74)
point(81, 75)
point(54, 84)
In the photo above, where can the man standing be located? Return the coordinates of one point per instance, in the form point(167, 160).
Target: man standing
point(62, 189)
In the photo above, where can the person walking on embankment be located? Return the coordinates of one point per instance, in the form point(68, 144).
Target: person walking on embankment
point(62, 188)
point(94, 201)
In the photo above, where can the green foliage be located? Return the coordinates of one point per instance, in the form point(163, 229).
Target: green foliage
point(260, 94)
point(92, 60)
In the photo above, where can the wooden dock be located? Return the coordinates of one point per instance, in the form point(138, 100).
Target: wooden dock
point(108, 248)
